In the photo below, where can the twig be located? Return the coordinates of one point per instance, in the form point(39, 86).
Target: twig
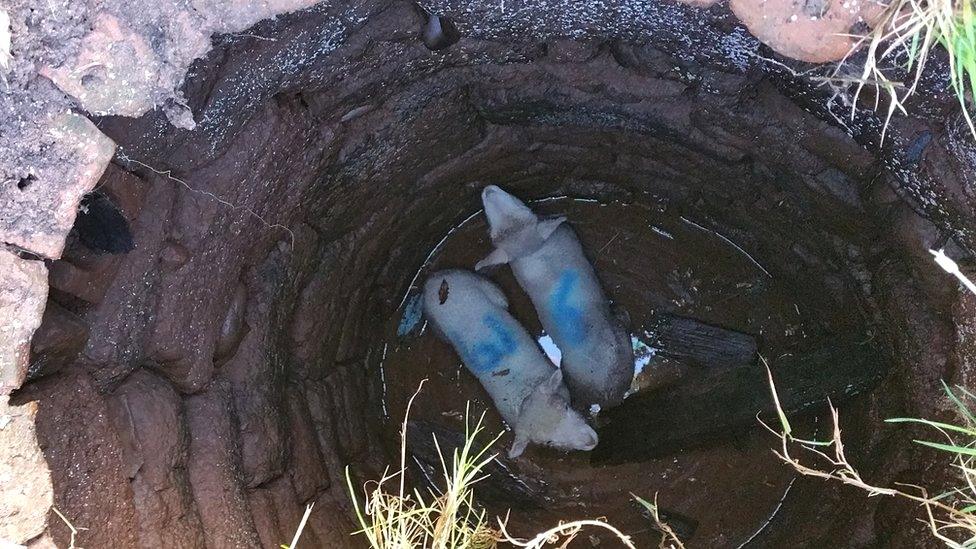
point(569, 530)
point(301, 526)
point(670, 540)
point(840, 469)
point(169, 175)
point(74, 531)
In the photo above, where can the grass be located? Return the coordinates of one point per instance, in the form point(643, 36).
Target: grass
point(393, 517)
point(669, 540)
point(404, 519)
point(902, 40)
point(951, 515)
point(300, 529)
point(71, 527)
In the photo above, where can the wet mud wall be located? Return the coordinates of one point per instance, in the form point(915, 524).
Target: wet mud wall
point(202, 387)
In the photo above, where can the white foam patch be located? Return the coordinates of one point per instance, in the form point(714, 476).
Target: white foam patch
point(643, 354)
point(549, 347)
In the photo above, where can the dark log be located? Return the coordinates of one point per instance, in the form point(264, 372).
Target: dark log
point(709, 407)
point(698, 344)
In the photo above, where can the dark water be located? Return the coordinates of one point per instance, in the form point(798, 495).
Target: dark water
point(651, 262)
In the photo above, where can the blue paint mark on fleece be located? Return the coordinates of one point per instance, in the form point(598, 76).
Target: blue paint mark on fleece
point(487, 354)
point(411, 315)
point(566, 312)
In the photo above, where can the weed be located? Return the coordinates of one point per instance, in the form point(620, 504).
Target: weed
point(903, 38)
point(404, 519)
point(951, 516)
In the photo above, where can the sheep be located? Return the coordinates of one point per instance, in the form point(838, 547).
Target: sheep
point(471, 313)
point(549, 264)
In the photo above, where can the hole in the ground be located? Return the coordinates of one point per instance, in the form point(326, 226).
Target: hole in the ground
point(262, 333)
point(25, 182)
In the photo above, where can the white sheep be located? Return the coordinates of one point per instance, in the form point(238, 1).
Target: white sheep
point(549, 264)
point(471, 313)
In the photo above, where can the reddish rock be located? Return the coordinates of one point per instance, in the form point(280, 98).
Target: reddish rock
point(233, 328)
point(306, 467)
point(123, 316)
point(262, 504)
point(86, 274)
point(277, 512)
point(331, 520)
point(57, 342)
point(817, 32)
point(214, 468)
point(173, 255)
point(87, 284)
point(964, 353)
point(25, 481)
point(257, 378)
point(148, 417)
point(115, 72)
point(90, 478)
point(290, 511)
point(37, 212)
point(23, 293)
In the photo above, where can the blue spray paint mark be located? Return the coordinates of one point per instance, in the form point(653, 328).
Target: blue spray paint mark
point(566, 313)
point(411, 315)
point(487, 354)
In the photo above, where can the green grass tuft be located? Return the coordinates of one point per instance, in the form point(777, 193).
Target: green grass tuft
point(904, 37)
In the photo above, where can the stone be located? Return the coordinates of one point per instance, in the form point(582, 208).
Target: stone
point(306, 465)
point(26, 493)
point(214, 468)
point(23, 293)
point(256, 376)
point(816, 31)
point(57, 342)
point(148, 416)
point(114, 73)
point(233, 328)
point(37, 211)
point(83, 451)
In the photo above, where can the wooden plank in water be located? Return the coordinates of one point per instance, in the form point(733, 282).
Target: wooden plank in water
point(708, 407)
point(699, 344)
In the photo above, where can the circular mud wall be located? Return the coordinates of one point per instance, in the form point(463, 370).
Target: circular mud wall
point(202, 387)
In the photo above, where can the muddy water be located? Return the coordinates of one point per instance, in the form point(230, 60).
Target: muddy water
point(650, 261)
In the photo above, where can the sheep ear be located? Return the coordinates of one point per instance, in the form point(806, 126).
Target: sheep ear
point(519, 445)
point(554, 382)
point(498, 256)
point(548, 226)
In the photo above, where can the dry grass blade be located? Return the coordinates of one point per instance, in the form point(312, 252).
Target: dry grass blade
point(300, 529)
point(402, 520)
point(902, 39)
point(449, 519)
point(951, 517)
point(670, 539)
point(563, 534)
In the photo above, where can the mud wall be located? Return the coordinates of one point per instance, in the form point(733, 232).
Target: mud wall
point(205, 386)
